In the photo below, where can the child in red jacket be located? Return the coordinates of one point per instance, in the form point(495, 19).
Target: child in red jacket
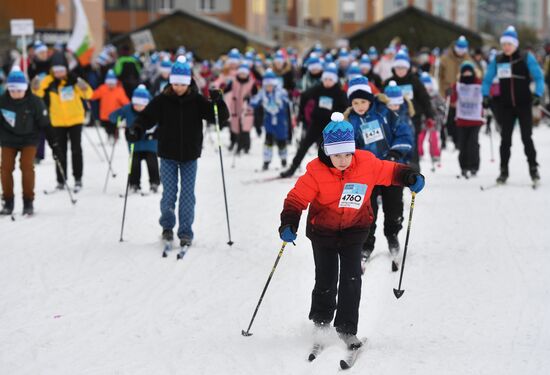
point(468, 100)
point(337, 186)
point(111, 96)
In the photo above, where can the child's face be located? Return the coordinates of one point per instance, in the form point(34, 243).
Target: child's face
point(138, 107)
point(16, 94)
point(341, 161)
point(508, 48)
point(269, 88)
point(393, 107)
point(328, 83)
point(180, 89)
point(401, 72)
point(360, 106)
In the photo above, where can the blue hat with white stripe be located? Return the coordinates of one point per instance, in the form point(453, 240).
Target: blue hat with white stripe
point(353, 71)
point(234, 57)
point(461, 45)
point(39, 47)
point(314, 63)
point(165, 66)
point(338, 136)
point(365, 62)
point(510, 35)
point(243, 69)
point(402, 60)
point(141, 96)
point(394, 93)
point(111, 78)
point(270, 78)
point(279, 57)
point(181, 72)
point(16, 80)
point(359, 88)
point(373, 52)
point(330, 72)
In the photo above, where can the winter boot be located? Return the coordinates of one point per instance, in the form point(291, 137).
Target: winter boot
point(28, 208)
point(7, 208)
point(134, 189)
point(77, 185)
point(167, 235)
point(501, 179)
point(185, 241)
point(60, 186)
point(154, 188)
point(534, 172)
point(393, 245)
point(350, 340)
point(265, 167)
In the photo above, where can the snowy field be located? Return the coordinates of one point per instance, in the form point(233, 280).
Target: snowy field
point(75, 300)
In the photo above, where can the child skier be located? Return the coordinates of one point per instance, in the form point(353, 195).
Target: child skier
point(146, 147)
point(432, 129)
point(111, 96)
point(388, 137)
point(276, 116)
point(163, 78)
point(466, 96)
point(22, 117)
point(178, 111)
point(337, 187)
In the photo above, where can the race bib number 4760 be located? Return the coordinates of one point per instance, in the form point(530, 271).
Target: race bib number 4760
point(353, 195)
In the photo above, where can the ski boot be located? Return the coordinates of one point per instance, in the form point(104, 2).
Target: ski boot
point(77, 186)
point(154, 188)
point(501, 179)
point(28, 208)
point(289, 172)
point(134, 189)
point(350, 340)
point(185, 241)
point(393, 245)
point(167, 235)
point(535, 176)
point(265, 166)
point(7, 209)
point(283, 163)
point(60, 186)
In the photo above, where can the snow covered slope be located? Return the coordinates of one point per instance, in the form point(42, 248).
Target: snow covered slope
point(75, 300)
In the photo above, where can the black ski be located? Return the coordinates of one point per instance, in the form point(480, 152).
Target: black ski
point(167, 248)
point(182, 252)
point(315, 351)
point(352, 353)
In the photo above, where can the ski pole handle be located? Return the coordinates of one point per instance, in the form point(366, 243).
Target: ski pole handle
point(131, 158)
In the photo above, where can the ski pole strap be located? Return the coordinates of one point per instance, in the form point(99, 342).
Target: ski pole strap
point(132, 158)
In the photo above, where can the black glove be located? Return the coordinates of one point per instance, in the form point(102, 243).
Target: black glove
point(536, 100)
point(216, 95)
point(485, 102)
point(393, 155)
point(133, 134)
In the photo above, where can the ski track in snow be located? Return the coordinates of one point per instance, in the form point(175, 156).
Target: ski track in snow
point(75, 300)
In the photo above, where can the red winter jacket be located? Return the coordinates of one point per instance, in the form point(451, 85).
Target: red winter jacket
point(322, 187)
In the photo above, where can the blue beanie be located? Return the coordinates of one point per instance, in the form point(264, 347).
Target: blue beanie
point(38, 47)
point(461, 45)
point(402, 60)
point(510, 35)
point(270, 78)
point(181, 72)
point(314, 63)
point(165, 66)
point(141, 96)
point(243, 69)
point(353, 71)
point(330, 72)
point(394, 93)
point(17, 80)
point(467, 65)
point(338, 136)
point(373, 52)
point(279, 56)
point(365, 62)
point(110, 78)
point(426, 79)
point(328, 58)
point(234, 57)
point(359, 88)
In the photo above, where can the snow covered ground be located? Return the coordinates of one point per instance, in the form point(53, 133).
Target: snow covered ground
point(75, 300)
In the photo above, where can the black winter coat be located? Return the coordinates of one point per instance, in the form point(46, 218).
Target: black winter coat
point(179, 120)
point(326, 101)
point(421, 98)
point(21, 120)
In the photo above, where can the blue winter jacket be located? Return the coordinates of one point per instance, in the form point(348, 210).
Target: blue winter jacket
point(276, 110)
point(380, 131)
point(147, 143)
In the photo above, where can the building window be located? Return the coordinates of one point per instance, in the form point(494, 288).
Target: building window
point(127, 4)
point(207, 5)
point(349, 10)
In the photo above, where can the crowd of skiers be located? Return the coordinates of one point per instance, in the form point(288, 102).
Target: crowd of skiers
point(369, 114)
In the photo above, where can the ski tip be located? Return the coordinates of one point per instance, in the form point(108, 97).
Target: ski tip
point(398, 293)
point(246, 333)
point(344, 365)
point(230, 243)
point(311, 357)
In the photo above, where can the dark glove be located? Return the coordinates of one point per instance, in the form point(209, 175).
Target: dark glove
point(393, 155)
point(485, 102)
point(536, 100)
point(287, 233)
point(133, 134)
point(416, 182)
point(216, 95)
point(430, 123)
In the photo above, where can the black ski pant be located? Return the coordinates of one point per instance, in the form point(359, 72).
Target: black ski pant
point(524, 115)
point(450, 126)
point(152, 167)
point(337, 286)
point(392, 205)
point(467, 138)
point(63, 135)
point(313, 135)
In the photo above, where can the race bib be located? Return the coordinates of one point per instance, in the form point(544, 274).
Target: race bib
point(407, 91)
point(353, 196)
point(325, 102)
point(372, 132)
point(9, 116)
point(67, 93)
point(504, 70)
point(470, 102)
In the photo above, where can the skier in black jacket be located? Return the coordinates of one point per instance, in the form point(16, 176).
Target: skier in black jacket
point(178, 111)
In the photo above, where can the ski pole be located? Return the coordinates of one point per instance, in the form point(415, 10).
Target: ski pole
point(247, 332)
point(110, 163)
point(230, 242)
point(399, 292)
point(490, 131)
point(544, 110)
point(60, 168)
point(102, 145)
point(127, 188)
point(93, 144)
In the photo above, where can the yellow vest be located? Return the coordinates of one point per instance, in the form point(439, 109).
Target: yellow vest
point(66, 108)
